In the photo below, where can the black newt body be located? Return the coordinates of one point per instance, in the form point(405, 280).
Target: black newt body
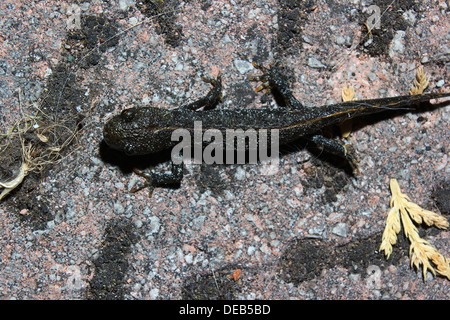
point(146, 130)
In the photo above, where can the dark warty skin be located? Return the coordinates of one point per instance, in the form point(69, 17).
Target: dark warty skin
point(147, 130)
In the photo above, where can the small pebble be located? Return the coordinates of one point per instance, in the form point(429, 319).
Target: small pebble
point(425, 59)
point(315, 63)
point(243, 66)
point(440, 83)
point(340, 229)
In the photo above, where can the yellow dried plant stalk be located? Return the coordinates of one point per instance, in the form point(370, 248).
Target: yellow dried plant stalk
point(420, 82)
point(390, 232)
point(421, 251)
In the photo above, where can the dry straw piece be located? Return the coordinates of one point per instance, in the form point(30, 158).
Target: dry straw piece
point(36, 155)
point(420, 82)
point(404, 212)
point(347, 94)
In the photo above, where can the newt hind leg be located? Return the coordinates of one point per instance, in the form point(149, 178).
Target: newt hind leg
point(336, 148)
point(273, 80)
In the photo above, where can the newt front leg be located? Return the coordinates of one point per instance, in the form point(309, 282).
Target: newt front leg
point(160, 179)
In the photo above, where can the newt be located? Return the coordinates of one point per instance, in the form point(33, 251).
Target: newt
point(148, 130)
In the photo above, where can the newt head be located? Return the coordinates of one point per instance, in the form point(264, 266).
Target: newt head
point(137, 131)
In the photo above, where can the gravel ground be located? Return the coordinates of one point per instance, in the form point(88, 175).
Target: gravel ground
point(310, 231)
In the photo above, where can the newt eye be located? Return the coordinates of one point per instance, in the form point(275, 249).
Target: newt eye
point(128, 149)
point(128, 114)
